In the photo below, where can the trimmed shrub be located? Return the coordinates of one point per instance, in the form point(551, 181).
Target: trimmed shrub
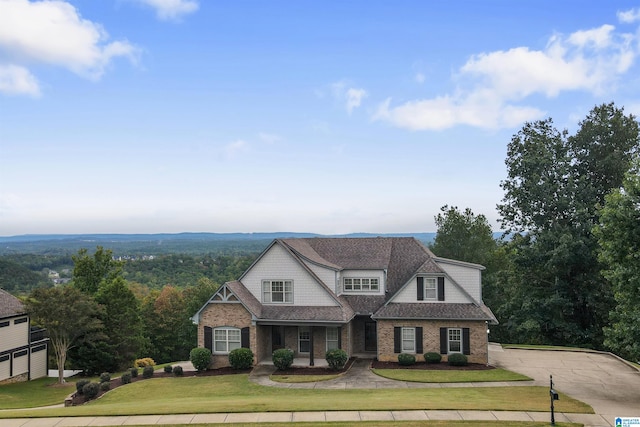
point(406, 359)
point(80, 386)
point(105, 377)
point(90, 390)
point(178, 371)
point(201, 358)
point(241, 358)
point(134, 372)
point(145, 361)
point(126, 378)
point(105, 386)
point(432, 357)
point(282, 358)
point(147, 372)
point(457, 359)
point(168, 369)
point(336, 358)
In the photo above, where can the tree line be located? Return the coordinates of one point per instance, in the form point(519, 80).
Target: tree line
point(567, 271)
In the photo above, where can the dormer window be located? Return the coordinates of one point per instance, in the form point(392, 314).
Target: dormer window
point(361, 284)
point(430, 288)
point(277, 291)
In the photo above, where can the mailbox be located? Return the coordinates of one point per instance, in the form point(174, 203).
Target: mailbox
point(554, 394)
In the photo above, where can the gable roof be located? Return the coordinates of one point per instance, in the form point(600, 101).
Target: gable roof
point(9, 305)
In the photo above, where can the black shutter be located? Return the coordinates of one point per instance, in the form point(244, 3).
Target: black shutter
point(244, 338)
point(397, 339)
point(419, 349)
point(440, 288)
point(466, 347)
point(443, 340)
point(208, 338)
point(420, 288)
point(339, 337)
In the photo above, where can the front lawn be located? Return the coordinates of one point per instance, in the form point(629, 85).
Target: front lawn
point(452, 376)
point(235, 393)
point(33, 394)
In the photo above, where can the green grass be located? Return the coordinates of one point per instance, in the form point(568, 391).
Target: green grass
point(33, 394)
point(429, 376)
point(235, 393)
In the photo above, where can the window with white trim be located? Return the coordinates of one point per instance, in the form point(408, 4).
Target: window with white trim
point(455, 340)
point(332, 338)
point(361, 284)
point(430, 288)
point(408, 340)
point(304, 339)
point(226, 339)
point(277, 291)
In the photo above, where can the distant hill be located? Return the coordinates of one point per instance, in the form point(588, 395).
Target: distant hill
point(149, 244)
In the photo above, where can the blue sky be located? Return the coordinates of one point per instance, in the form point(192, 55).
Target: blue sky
point(145, 116)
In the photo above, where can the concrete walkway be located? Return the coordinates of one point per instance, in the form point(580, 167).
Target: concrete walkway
point(590, 377)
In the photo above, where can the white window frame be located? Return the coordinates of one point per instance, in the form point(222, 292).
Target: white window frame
point(408, 339)
point(268, 291)
point(221, 335)
point(304, 336)
point(430, 288)
point(454, 336)
point(332, 342)
point(361, 284)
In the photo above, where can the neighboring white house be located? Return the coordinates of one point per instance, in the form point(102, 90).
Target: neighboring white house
point(23, 351)
point(375, 297)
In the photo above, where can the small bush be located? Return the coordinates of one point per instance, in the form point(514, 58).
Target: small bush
point(406, 359)
point(282, 358)
point(80, 386)
point(177, 371)
point(336, 358)
point(105, 377)
point(457, 359)
point(90, 390)
point(147, 372)
point(201, 358)
point(241, 358)
point(134, 372)
point(168, 369)
point(126, 378)
point(432, 357)
point(105, 386)
point(145, 361)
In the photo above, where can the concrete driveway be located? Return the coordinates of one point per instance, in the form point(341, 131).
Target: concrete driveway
point(603, 381)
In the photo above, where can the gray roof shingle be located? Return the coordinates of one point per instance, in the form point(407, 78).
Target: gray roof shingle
point(435, 311)
point(9, 305)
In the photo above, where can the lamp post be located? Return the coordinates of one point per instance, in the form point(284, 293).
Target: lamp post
point(553, 395)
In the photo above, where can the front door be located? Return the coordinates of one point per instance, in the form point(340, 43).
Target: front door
point(370, 336)
point(277, 338)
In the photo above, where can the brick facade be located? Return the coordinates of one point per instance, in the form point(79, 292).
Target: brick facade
point(431, 338)
point(227, 314)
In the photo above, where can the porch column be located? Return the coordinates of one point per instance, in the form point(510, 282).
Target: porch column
point(311, 363)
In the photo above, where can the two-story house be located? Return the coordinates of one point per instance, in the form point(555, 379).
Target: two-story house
point(372, 297)
point(23, 350)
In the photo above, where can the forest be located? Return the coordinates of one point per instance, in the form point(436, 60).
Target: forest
point(565, 271)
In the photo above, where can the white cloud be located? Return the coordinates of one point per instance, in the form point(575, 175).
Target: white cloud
point(629, 16)
point(171, 9)
point(349, 96)
point(269, 138)
point(52, 32)
point(15, 80)
point(236, 147)
point(354, 98)
point(491, 83)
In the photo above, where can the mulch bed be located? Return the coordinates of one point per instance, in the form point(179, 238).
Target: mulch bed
point(117, 382)
point(442, 366)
